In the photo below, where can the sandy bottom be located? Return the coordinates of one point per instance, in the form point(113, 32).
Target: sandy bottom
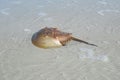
point(95, 21)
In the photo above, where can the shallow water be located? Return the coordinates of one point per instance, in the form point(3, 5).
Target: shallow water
point(95, 21)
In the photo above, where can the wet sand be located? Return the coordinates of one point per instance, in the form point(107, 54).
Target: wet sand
point(96, 21)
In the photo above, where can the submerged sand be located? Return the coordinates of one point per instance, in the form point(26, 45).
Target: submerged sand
point(96, 21)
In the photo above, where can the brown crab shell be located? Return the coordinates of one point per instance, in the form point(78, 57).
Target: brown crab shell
point(50, 37)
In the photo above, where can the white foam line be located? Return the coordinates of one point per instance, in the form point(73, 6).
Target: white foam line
point(103, 2)
point(102, 12)
point(27, 30)
point(42, 14)
point(5, 11)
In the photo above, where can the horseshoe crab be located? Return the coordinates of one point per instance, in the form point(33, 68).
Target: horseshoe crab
point(52, 37)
